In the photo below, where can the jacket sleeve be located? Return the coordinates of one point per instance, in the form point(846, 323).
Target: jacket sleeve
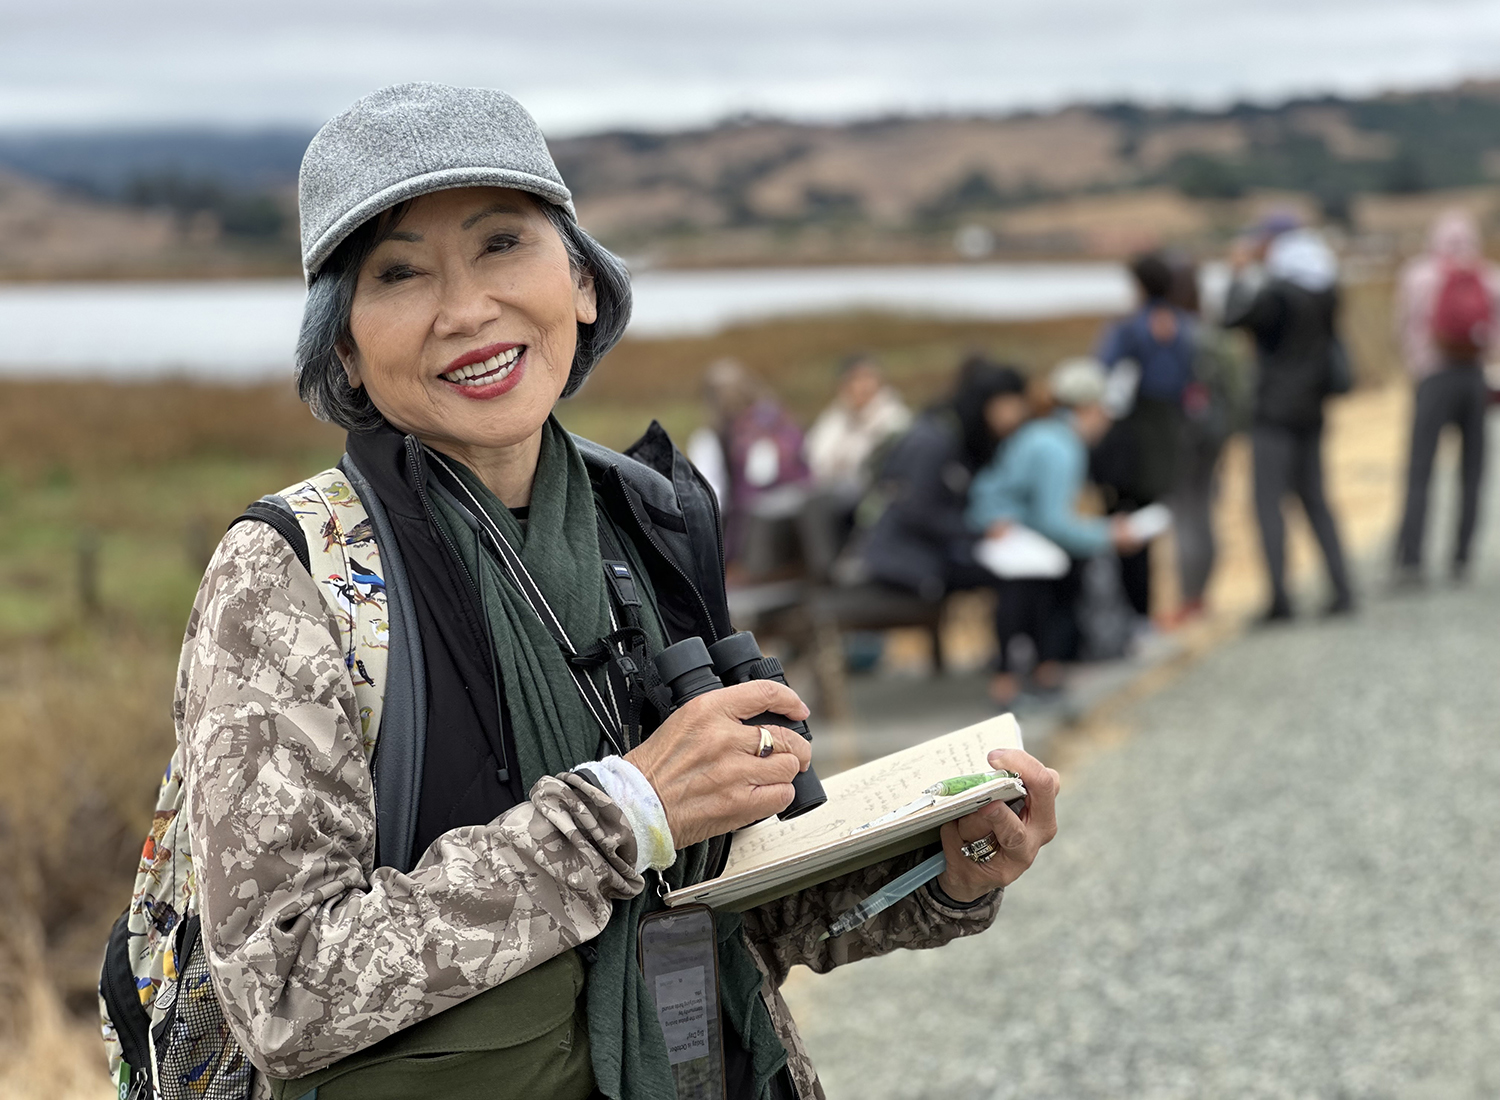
point(314, 952)
point(1114, 344)
point(986, 493)
point(1253, 305)
point(785, 932)
point(922, 501)
point(1057, 477)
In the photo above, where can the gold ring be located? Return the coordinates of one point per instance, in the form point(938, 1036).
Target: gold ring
point(980, 851)
point(767, 743)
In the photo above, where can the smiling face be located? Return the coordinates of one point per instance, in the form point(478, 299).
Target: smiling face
point(464, 322)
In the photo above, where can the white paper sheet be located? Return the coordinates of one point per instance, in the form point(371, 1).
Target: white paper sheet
point(1020, 553)
point(1150, 521)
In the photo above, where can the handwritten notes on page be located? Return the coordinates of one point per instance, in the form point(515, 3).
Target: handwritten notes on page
point(772, 853)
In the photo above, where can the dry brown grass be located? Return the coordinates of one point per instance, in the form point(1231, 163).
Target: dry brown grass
point(86, 427)
point(151, 474)
point(60, 1057)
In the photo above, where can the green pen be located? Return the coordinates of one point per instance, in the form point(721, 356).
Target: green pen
point(957, 785)
point(960, 783)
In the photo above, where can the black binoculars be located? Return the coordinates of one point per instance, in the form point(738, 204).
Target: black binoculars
point(689, 669)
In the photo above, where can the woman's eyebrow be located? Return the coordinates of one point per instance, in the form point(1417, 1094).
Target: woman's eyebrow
point(402, 235)
point(496, 208)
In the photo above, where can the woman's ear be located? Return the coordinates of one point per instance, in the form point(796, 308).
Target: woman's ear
point(349, 360)
point(585, 301)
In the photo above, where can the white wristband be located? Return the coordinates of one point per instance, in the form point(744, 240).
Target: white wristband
point(633, 793)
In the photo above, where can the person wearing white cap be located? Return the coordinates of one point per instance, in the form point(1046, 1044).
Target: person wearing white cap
point(1036, 482)
point(1290, 310)
point(482, 942)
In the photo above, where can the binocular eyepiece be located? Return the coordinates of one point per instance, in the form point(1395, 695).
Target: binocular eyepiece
point(689, 669)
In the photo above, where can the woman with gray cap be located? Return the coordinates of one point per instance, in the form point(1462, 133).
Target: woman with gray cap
point(486, 944)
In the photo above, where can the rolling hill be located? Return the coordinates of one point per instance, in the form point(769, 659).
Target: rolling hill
point(1098, 180)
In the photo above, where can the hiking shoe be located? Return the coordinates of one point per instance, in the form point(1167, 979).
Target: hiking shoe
point(1275, 615)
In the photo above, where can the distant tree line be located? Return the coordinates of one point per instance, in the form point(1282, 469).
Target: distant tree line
point(237, 177)
point(253, 216)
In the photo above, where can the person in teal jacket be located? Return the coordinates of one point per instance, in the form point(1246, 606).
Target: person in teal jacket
point(1036, 482)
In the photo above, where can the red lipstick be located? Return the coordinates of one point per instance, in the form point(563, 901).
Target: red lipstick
point(478, 355)
point(496, 380)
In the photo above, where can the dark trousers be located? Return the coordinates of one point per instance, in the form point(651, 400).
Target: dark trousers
point(1135, 578)
point(1138, 463)
point(1042, 609)
point(1191, 501)
point(1456, 395)
point(1286, 462)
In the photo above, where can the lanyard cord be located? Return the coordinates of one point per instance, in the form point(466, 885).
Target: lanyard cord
point(520, 578)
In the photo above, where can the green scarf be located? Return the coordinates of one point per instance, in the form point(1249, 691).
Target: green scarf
point(555, 732)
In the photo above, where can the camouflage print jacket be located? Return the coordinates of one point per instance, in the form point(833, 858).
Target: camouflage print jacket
point(315, 952)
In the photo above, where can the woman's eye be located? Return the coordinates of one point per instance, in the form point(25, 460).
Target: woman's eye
point(395, 273)
point(501, 242)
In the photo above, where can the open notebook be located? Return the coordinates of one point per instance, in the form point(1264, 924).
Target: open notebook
point(772, 858)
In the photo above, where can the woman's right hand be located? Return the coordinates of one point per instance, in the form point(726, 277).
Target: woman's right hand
point(704, 763)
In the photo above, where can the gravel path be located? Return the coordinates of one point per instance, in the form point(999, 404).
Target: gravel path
point(1285, 882)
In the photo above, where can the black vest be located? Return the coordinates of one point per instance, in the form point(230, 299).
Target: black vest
point(651, 493)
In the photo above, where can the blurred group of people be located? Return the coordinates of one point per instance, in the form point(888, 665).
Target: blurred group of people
point(1076, 454)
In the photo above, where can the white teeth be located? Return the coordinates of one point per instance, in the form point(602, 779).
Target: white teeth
point(483, 374)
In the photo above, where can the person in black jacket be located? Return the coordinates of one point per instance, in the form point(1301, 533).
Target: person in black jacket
point(1291, 315)
point(922, 540)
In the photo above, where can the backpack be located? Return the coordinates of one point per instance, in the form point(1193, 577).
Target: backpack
point(164, 1031)
point(1463, 314)
point(1217, 403)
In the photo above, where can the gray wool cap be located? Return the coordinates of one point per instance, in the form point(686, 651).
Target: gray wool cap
point(409, 140)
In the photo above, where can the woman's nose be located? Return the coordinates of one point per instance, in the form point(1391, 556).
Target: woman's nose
point(465, 306)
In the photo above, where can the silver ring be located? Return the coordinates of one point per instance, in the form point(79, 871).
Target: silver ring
point(767, 743)
point(980, 851)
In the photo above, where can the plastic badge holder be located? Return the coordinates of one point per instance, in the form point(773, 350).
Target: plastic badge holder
point(680, 961)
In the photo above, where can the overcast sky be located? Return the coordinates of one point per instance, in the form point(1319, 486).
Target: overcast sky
point(583, 65)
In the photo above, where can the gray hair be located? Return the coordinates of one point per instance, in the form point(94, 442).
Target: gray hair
point(321, 379)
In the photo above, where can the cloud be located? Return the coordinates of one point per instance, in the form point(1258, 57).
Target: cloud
point(667, 63)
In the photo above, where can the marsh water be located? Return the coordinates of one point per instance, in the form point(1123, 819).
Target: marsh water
point(244, 330)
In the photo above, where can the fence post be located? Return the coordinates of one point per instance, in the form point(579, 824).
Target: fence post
point(88, 572)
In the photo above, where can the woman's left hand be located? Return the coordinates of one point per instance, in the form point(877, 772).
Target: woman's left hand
point(1017, 838)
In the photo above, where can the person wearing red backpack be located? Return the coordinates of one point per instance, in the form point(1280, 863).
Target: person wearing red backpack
point(1446, 315)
